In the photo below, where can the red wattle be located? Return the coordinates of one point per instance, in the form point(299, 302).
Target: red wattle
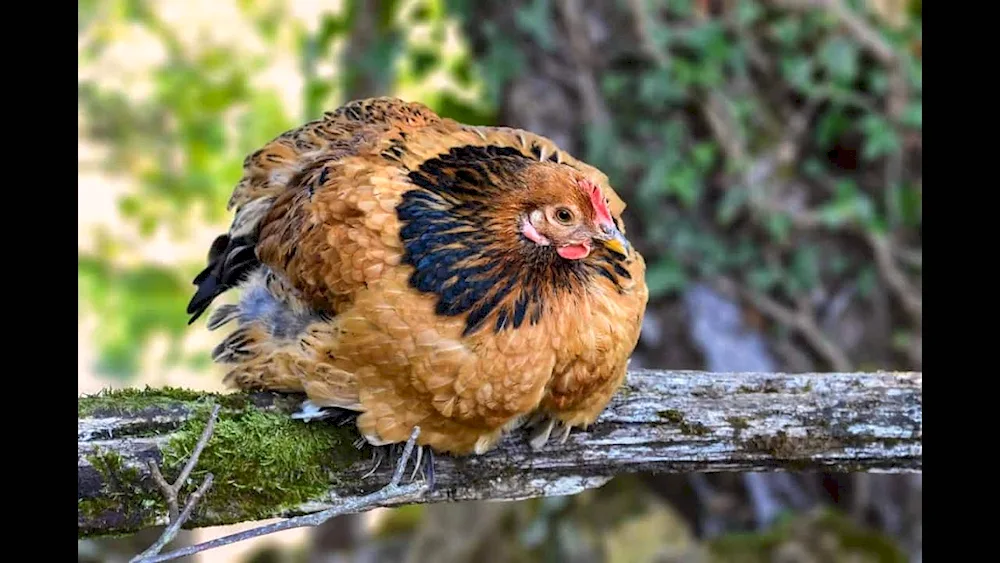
point(573, 251)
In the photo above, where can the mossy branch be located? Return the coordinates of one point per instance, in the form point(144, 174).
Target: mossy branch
point(266, 464)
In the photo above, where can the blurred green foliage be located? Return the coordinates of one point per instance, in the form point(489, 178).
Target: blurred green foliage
point(184, 144)
point(697, 206)
point(698, 211)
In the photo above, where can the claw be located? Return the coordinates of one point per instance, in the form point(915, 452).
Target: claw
point(534, 420)
point(566, 429)
point(542, 437)
point(377, 457)
point(416, 466)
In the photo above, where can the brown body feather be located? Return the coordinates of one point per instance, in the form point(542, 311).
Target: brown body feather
point(388, 276)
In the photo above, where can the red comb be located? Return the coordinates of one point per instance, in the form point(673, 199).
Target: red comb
point(597, 200)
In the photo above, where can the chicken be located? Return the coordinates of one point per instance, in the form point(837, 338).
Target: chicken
point(422, 272)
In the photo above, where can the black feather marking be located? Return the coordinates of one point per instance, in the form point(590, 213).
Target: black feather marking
point(219, 246)
point(226, 269)
point(622, 272)
point(453, 250)
point(222, 315)
point(233, 348)
point(536, 150)
point(230, 261)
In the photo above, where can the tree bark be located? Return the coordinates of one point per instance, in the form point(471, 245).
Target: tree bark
point(660, 421)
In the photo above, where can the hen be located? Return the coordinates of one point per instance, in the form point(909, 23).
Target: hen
point(424, 272)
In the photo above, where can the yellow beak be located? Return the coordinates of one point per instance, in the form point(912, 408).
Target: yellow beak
point(615, 241)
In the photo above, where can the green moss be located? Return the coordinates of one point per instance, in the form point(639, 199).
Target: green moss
point(122, 492)
point(739, 424)
point(677, 417)
point(696, 428)
point(768, 386)
point(671, 415)
point(779, 445)
point(783, 446)
point(93, 508)
point(117, 401)
point(261, 461)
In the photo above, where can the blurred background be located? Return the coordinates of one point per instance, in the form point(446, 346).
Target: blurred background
point(770, 152)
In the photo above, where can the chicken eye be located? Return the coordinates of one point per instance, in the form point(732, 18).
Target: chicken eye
point(564, 215)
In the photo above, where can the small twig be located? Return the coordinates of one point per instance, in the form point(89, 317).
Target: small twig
point(801, 320)
point(640, 19)
point(393, 492)
point(171, 532)
point(863, 32)
point(170, 491)
point(854, 24)
point(202, 442)
point(885, 262)
point(838, 304)
point(912, 257)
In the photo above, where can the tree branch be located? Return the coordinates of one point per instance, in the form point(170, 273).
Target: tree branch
point(660, 421)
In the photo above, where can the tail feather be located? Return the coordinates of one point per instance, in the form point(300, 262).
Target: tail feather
point(231, 260)
point(223, 315)
point(279, 344)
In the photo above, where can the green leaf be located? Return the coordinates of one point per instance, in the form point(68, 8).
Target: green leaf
point(840, 58)
point(709, 40)
point(831, 125)
point(534, 19)
point(878, 81)
point(684, 8)
point(798, 70)
point(778, 225)
point(905, 205)
point(787, 30)
point(660, 88)
point(913, 115)
point(748, 12)
point(813, 168)
point(684, 182)
point(849, 205)
point(732, 203)
point(665, 276)
point(867, 279)
point(703, 154)
point(880, 137)
point(805, 267)
point(654, 182)
point(763, 279)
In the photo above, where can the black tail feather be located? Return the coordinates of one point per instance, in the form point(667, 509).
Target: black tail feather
point(229, 262)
